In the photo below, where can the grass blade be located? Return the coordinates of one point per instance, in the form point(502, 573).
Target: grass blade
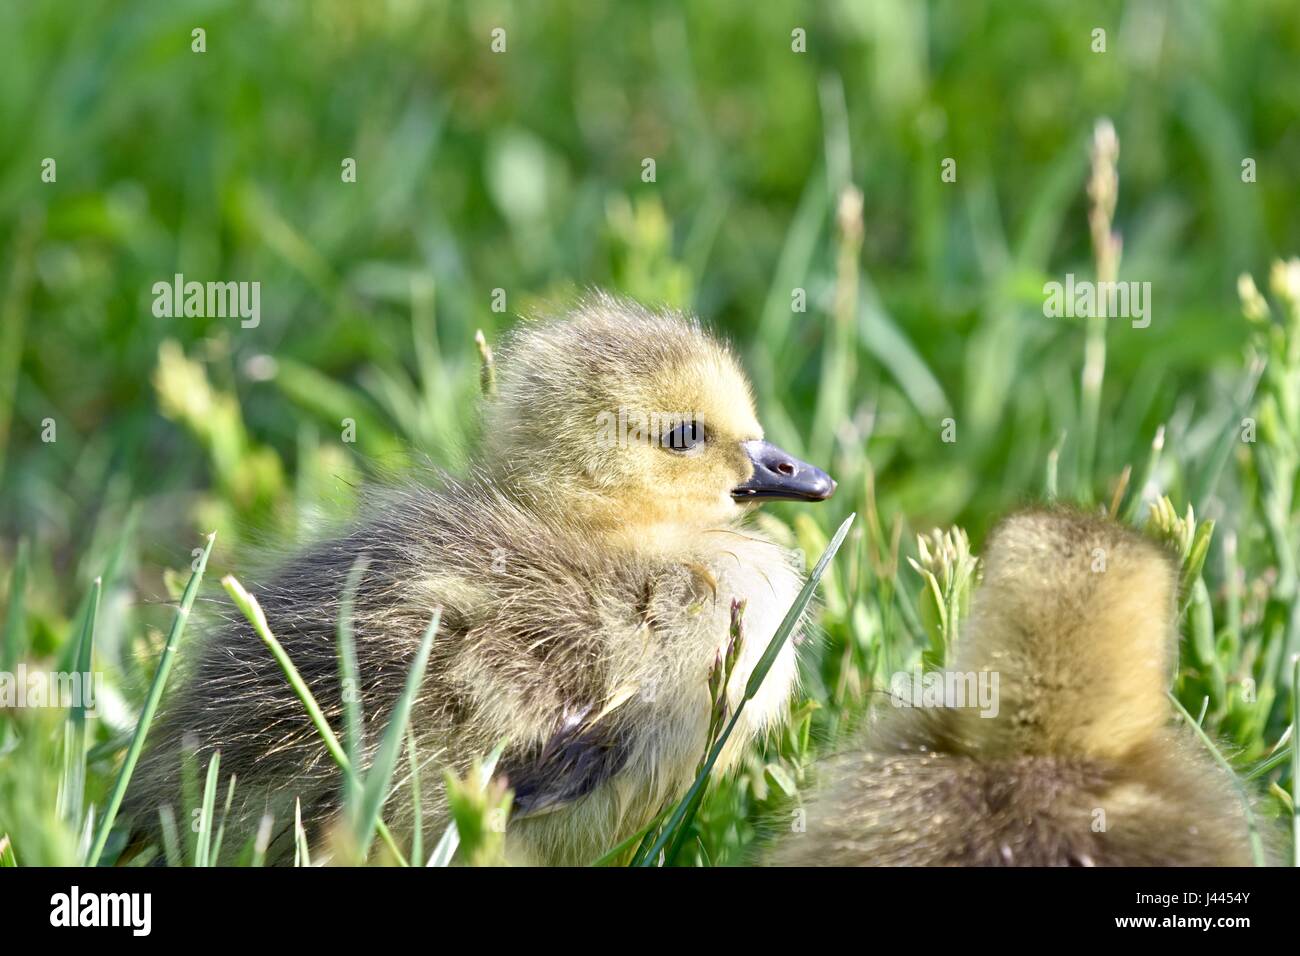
point(1279, 758)
point(682, 816)
point(145, 857)
point(1208, 478)
point(262, 840)
point(150, 705)
point(204, 847)
point(215, 859)
point(1295, 761)
point(446, 847)
point(379, 777)
point(191, 806)
point(301, 853)
point(87, 834)
point(11, 649)
point(1051, 480)
point(350, 689)
point(73, 788)
point(252, 611)
point(639, 839)
point(417, 808)
point(1139, 490)
point(796, 611)
point(171, 838)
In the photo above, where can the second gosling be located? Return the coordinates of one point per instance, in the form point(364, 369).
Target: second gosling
point(1080, 766)
point(585, 571)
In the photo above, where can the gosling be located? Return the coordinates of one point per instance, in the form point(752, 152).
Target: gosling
point(1081, 765)
point(585, 571)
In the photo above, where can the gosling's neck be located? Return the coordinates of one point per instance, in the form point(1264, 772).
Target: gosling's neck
point(664, 540)
point(643, 534)
point(666, 527)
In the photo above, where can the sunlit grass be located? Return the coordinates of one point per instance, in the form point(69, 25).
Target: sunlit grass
point(921, 303)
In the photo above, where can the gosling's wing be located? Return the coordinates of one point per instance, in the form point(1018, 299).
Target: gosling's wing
point(578, 758)
point(539, 608)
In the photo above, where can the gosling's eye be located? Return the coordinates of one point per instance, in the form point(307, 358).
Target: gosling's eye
point(684, 437)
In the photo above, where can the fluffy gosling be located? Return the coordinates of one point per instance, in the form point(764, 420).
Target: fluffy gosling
point(585, 572)
point(1081, 764)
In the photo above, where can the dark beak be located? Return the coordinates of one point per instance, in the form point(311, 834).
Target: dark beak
point(782, 476)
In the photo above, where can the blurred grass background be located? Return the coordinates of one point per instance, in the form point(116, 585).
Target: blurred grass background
point(521, 171)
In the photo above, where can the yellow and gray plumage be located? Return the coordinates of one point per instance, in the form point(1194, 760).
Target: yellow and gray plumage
point(1082, 764)
point(585, 585)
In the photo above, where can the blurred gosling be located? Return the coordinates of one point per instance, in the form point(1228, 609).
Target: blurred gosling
point(1082, 764)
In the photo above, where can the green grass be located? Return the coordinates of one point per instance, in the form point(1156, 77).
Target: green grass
point(150, 708)
point(372, 785)
point(521, 172)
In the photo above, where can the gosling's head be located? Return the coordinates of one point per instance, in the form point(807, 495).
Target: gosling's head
point(627, 420)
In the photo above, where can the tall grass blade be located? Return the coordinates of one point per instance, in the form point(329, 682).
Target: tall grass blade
point(72, 790)
point(1279, 758)
point(170, 837)
point(379, 777)
point(191, 799)
point(1207, 480)
point(1139, 491)
point(262, 840)
point(87, 835)
point(417, 806)
point(640, 840)
point(350, 688)
point(301, 852)
point(204, 847)
point(215, 859)
point(1295, 762)
point(15, 616)
point(252, 611)
point(685, 811)
point(150, 705)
